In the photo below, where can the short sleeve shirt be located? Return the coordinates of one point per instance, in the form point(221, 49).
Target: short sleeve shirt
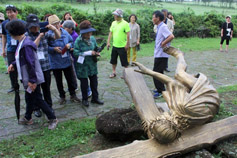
point(119, 31)
point(162, 33)
point(11, 43)
point(227, 28)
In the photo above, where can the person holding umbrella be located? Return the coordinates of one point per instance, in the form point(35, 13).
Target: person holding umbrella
point(30, 73)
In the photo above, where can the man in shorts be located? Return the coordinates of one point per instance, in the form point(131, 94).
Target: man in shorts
point(120, 31)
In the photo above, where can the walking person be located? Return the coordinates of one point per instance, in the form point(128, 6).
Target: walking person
point(134, 36)
point(30, 73)
point(86, 66)
point(41, 40)
point(163, 39)
point(11, 45)
point(2, 18)
point(61, 61)
point(119, 30)
point(227, 31)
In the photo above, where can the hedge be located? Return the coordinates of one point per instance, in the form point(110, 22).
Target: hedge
point(187, 23)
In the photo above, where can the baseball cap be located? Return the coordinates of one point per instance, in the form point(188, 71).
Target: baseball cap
point(228, 16)
point(118, 12)
point(32, 20)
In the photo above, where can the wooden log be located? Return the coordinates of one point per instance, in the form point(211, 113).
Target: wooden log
point(142, 97)
point(191, 140)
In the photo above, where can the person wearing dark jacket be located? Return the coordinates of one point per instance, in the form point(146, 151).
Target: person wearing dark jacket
point(29, 73)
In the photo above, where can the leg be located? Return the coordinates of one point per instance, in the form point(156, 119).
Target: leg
point(74, 76)
point(180, 74)
point(46, 88)
point(113, 61)
point(59, 81)
point(221, 43)
point(123, 57)
point(134, 54)
point(84, 87)
point(159, 66)
point(94, 86)
point(227, 45)
point(13, 75)
point(128, 55)
point(68, 73)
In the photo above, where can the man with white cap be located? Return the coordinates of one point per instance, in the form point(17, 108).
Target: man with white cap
point(226, 33)
point(120, 31)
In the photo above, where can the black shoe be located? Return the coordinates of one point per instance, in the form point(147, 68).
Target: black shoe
point(10, 90)
point(167, 70)
point(100, 102)
point(85, 103)
point(37, 113)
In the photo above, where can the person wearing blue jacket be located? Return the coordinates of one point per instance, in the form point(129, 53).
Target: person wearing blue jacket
point(61, 62)
point(29, 73)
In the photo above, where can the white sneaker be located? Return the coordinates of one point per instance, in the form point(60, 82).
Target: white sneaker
point(53, 124)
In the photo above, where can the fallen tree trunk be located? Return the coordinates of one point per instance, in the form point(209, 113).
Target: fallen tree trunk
point(191, 140)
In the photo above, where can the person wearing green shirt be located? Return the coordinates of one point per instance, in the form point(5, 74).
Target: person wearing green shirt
point(119, 30)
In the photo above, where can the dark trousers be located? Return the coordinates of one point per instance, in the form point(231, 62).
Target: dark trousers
point(68, 73)
point(93, 85)
point(225, 38)
point(46, 89)
point(13, 75)
point(159, 66)
point(35, 98)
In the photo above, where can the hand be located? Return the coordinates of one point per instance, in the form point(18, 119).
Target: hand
point(41, 35)
point(142, 68)
point(108, 46)
point(10, 68)
point(221, 35)
point(4, 54)
point(126, 47)
point(68, 46)
point(163, 44)
point(32, 86)
point(58, 49)
point(97, 53)
point(51, 27)
point(138, 42)
point(71, 49)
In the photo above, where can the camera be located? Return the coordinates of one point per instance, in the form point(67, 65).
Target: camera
point(45, 29)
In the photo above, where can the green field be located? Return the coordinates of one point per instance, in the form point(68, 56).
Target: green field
point(103, 6)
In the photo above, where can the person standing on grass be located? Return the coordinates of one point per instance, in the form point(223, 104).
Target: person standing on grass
point(134, 38)
point(119, 30)
point(29, 73)
point(163, 39)
point(41, 40)
point(170, 25)
point(227, 31)
point(11, 44)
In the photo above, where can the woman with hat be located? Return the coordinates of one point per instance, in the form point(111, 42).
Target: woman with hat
point(61, 61)
point(86, 66)
point(226, 33)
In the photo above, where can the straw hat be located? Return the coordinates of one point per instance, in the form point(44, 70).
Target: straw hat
point(53, 19)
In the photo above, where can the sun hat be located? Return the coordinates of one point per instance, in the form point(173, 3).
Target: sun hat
point(53, 19)
point(118, 12)
point(2, 17)
point(90, 29)
point(32, 20)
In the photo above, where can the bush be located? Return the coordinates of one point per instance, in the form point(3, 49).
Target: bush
point(187, 23)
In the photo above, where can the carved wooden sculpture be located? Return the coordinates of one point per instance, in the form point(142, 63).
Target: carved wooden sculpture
point(191, 99)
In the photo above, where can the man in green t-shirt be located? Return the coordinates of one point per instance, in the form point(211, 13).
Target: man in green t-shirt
point(119, 30)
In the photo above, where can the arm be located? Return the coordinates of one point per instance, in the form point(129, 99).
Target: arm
point(108, 41)
point(221, 32)
point(127, 45)
point(57, 33)
point(138, 35)
point(37, 40)
point(167, 40)
point(4, 42)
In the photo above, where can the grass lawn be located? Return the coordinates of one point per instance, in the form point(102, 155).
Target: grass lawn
point(74, 136)
point(103, 6)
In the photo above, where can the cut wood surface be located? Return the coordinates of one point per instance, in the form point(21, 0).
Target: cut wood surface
point(142, 97)
point(191, 140)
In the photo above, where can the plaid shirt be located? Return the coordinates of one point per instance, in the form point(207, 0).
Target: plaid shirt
point(43, 47)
